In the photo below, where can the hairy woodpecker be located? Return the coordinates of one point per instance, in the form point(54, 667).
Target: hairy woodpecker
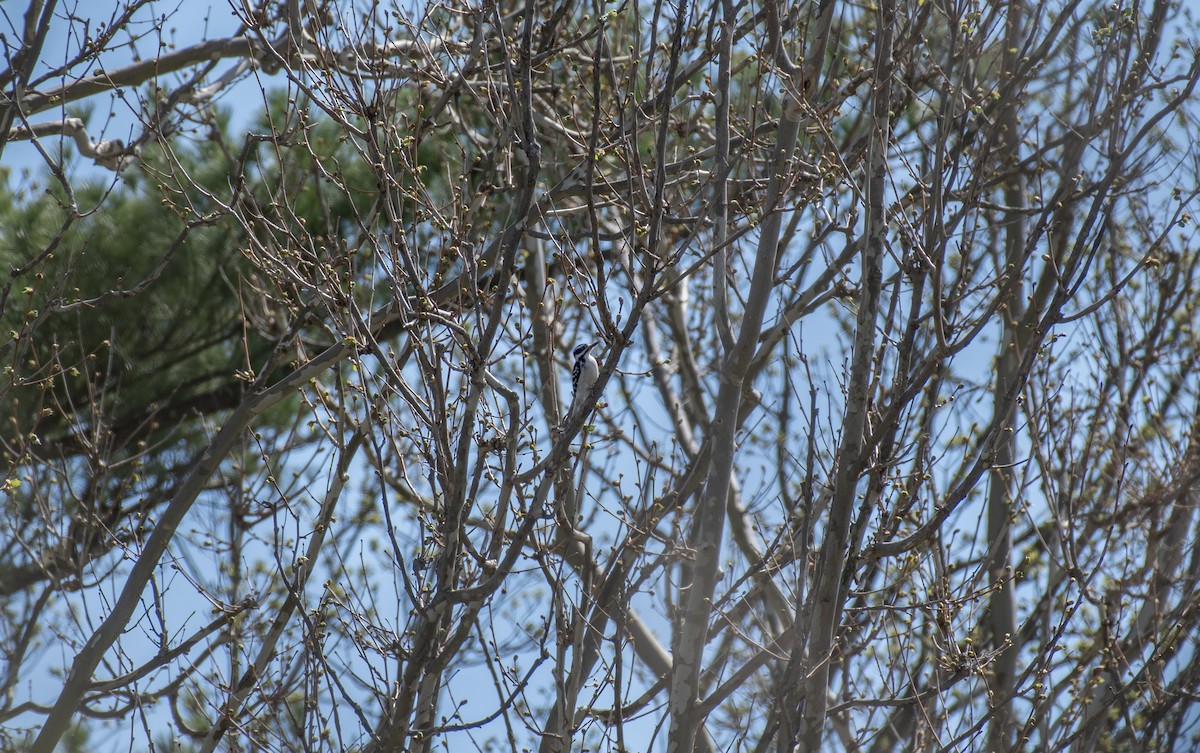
point(584, 374)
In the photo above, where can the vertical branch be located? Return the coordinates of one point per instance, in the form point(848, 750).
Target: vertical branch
point(1001, 611)
point(720, 201)
point(708, 525)
point(827, 589)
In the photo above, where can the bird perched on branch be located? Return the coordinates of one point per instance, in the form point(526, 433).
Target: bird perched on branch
point(584, 374)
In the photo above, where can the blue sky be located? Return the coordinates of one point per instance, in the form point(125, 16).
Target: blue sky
point(109, 117)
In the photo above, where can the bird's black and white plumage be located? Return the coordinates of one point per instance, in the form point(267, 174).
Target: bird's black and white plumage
point(584, 374)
